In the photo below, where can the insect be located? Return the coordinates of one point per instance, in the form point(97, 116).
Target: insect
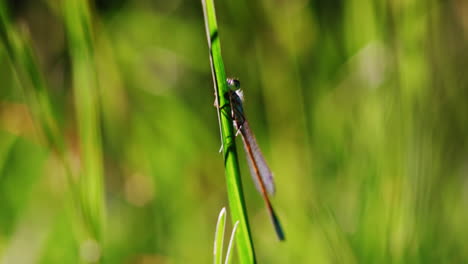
point(259, 170)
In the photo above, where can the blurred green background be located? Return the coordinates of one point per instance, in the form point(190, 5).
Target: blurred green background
point(109, 139)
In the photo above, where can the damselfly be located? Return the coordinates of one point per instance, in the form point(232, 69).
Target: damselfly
point(259, 169)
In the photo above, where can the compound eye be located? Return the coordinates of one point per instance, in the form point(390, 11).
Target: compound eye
point(233, 82)
point(237, 83)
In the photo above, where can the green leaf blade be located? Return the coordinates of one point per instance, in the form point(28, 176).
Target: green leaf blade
point(232, 171)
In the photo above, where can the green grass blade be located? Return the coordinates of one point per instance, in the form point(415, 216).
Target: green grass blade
point(78, 30)
point(34, 89)
point(31, 80)
point(233, 181)
point(219, 237)
point(231, 244)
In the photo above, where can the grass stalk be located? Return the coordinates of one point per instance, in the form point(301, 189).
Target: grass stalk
point(34, 89)
point(37, 98)
point(234, 186)
point(78, 31)
point(31, 80)
point(219, 237)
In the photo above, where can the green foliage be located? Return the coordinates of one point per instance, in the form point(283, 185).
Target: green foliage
point(86, 103)
point(231, 164)
point(109, 139)
point(219, 239)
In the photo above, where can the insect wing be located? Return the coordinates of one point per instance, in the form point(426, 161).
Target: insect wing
point(263, 170)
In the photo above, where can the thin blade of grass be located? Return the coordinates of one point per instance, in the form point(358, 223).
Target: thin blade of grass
point(78, 29)
point(231, 243)
point(34, 87)
point(219, 237)
point(35, 91)
point(233, 181)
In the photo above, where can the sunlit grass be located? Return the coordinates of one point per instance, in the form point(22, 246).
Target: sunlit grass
point(86, 101)
point(219, 239)
point(359, 108)
point(234, 185)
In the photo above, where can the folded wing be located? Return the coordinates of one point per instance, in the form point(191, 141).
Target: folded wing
point(260, 170)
